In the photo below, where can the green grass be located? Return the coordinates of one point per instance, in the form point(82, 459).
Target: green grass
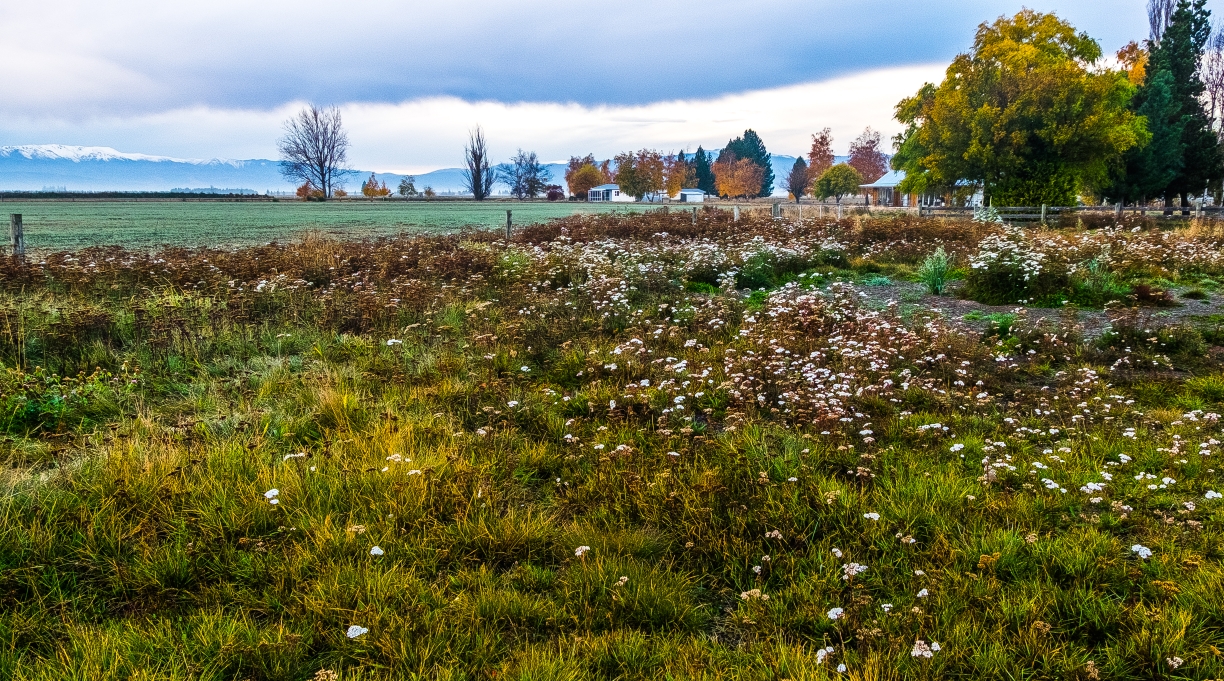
point(68, 225)
point(481, 413)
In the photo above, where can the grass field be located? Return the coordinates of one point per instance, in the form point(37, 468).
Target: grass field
point(623, 447)
point(65, 225)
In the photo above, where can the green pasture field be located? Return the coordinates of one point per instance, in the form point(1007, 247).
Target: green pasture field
point(70, 225)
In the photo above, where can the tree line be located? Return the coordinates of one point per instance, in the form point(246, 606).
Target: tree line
point(743, 168)
point(314, 152)
point(1034, 115)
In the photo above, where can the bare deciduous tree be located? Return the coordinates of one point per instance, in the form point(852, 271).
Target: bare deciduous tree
point(478, 177)
point(1160, 12)
point(314, 149)
point(525, 174)
point(1213, 78)
point(798, 180)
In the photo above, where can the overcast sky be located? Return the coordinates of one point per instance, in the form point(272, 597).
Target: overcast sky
point(215, 79)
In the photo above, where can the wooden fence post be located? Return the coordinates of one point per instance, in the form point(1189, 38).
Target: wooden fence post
point(1043, 213)
point(509, 226)
point(694, 215)
point(16, 235)
point(839, 210)
point(735, 212)
point(1118, 210)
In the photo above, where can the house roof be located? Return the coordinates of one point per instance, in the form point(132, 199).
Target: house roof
point(692, 191)
point(892, 179)
point(606, 186)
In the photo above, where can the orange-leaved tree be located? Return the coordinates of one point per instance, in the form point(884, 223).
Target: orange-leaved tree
point(820, 158)
point(737, 177)
point(372, 188)
point(676, 171)
point(307, 191)
point(582, 174)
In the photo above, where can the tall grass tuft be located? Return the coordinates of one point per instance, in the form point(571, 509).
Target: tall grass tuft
point(933, 273)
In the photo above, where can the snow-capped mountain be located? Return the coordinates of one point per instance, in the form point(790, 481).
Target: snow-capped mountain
point(67, 152)
point(33, 167)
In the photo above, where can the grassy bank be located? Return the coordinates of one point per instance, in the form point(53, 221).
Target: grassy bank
point(594, 455)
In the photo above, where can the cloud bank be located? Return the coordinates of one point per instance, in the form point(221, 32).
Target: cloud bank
point(78, 59)
point(429, 133)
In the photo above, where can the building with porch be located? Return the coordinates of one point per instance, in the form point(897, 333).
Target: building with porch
point(886, 193)
point(608, 193)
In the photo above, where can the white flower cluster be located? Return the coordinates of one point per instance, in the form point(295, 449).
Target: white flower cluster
point(921, 649)
point(851, 570)
point(1009, 249)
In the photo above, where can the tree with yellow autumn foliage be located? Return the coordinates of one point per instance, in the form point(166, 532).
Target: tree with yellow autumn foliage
point(677, 172)
point(372, 189)
point(640, 174)
point(737, 177)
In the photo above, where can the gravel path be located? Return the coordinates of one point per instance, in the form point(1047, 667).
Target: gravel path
point(913, 298)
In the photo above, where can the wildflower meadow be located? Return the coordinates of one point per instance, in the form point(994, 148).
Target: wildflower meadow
point(620, 447)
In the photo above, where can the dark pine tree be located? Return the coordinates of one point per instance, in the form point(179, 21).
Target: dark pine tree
point(1180, 53)
point(752, 148)
point(705, 175)
point(1151, 169)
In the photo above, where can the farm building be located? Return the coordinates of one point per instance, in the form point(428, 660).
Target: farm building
point(692, 196)
point(606, 193)
point(886, 192)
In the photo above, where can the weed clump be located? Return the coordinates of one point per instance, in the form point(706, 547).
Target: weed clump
point(933, 273)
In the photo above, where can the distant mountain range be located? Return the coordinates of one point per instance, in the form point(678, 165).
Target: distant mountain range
point(57, 167)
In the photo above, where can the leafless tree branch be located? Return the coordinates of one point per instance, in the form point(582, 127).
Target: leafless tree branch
point(1213, 78)
point(314, 149)
point(1160, 12)
point(478, 177)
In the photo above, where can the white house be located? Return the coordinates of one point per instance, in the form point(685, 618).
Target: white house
point(692, 196)
point(886, 191)
point(605, 193)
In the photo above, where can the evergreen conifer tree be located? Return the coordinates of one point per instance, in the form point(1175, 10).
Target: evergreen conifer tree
point(705, 174)
point(1179, 52)
point(1150, 170)
point(751, 147)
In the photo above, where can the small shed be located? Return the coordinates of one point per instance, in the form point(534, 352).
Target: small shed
point(608, 193)
point(692, 196)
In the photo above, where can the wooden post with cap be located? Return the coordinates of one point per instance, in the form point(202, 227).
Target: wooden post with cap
point(16, 235)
